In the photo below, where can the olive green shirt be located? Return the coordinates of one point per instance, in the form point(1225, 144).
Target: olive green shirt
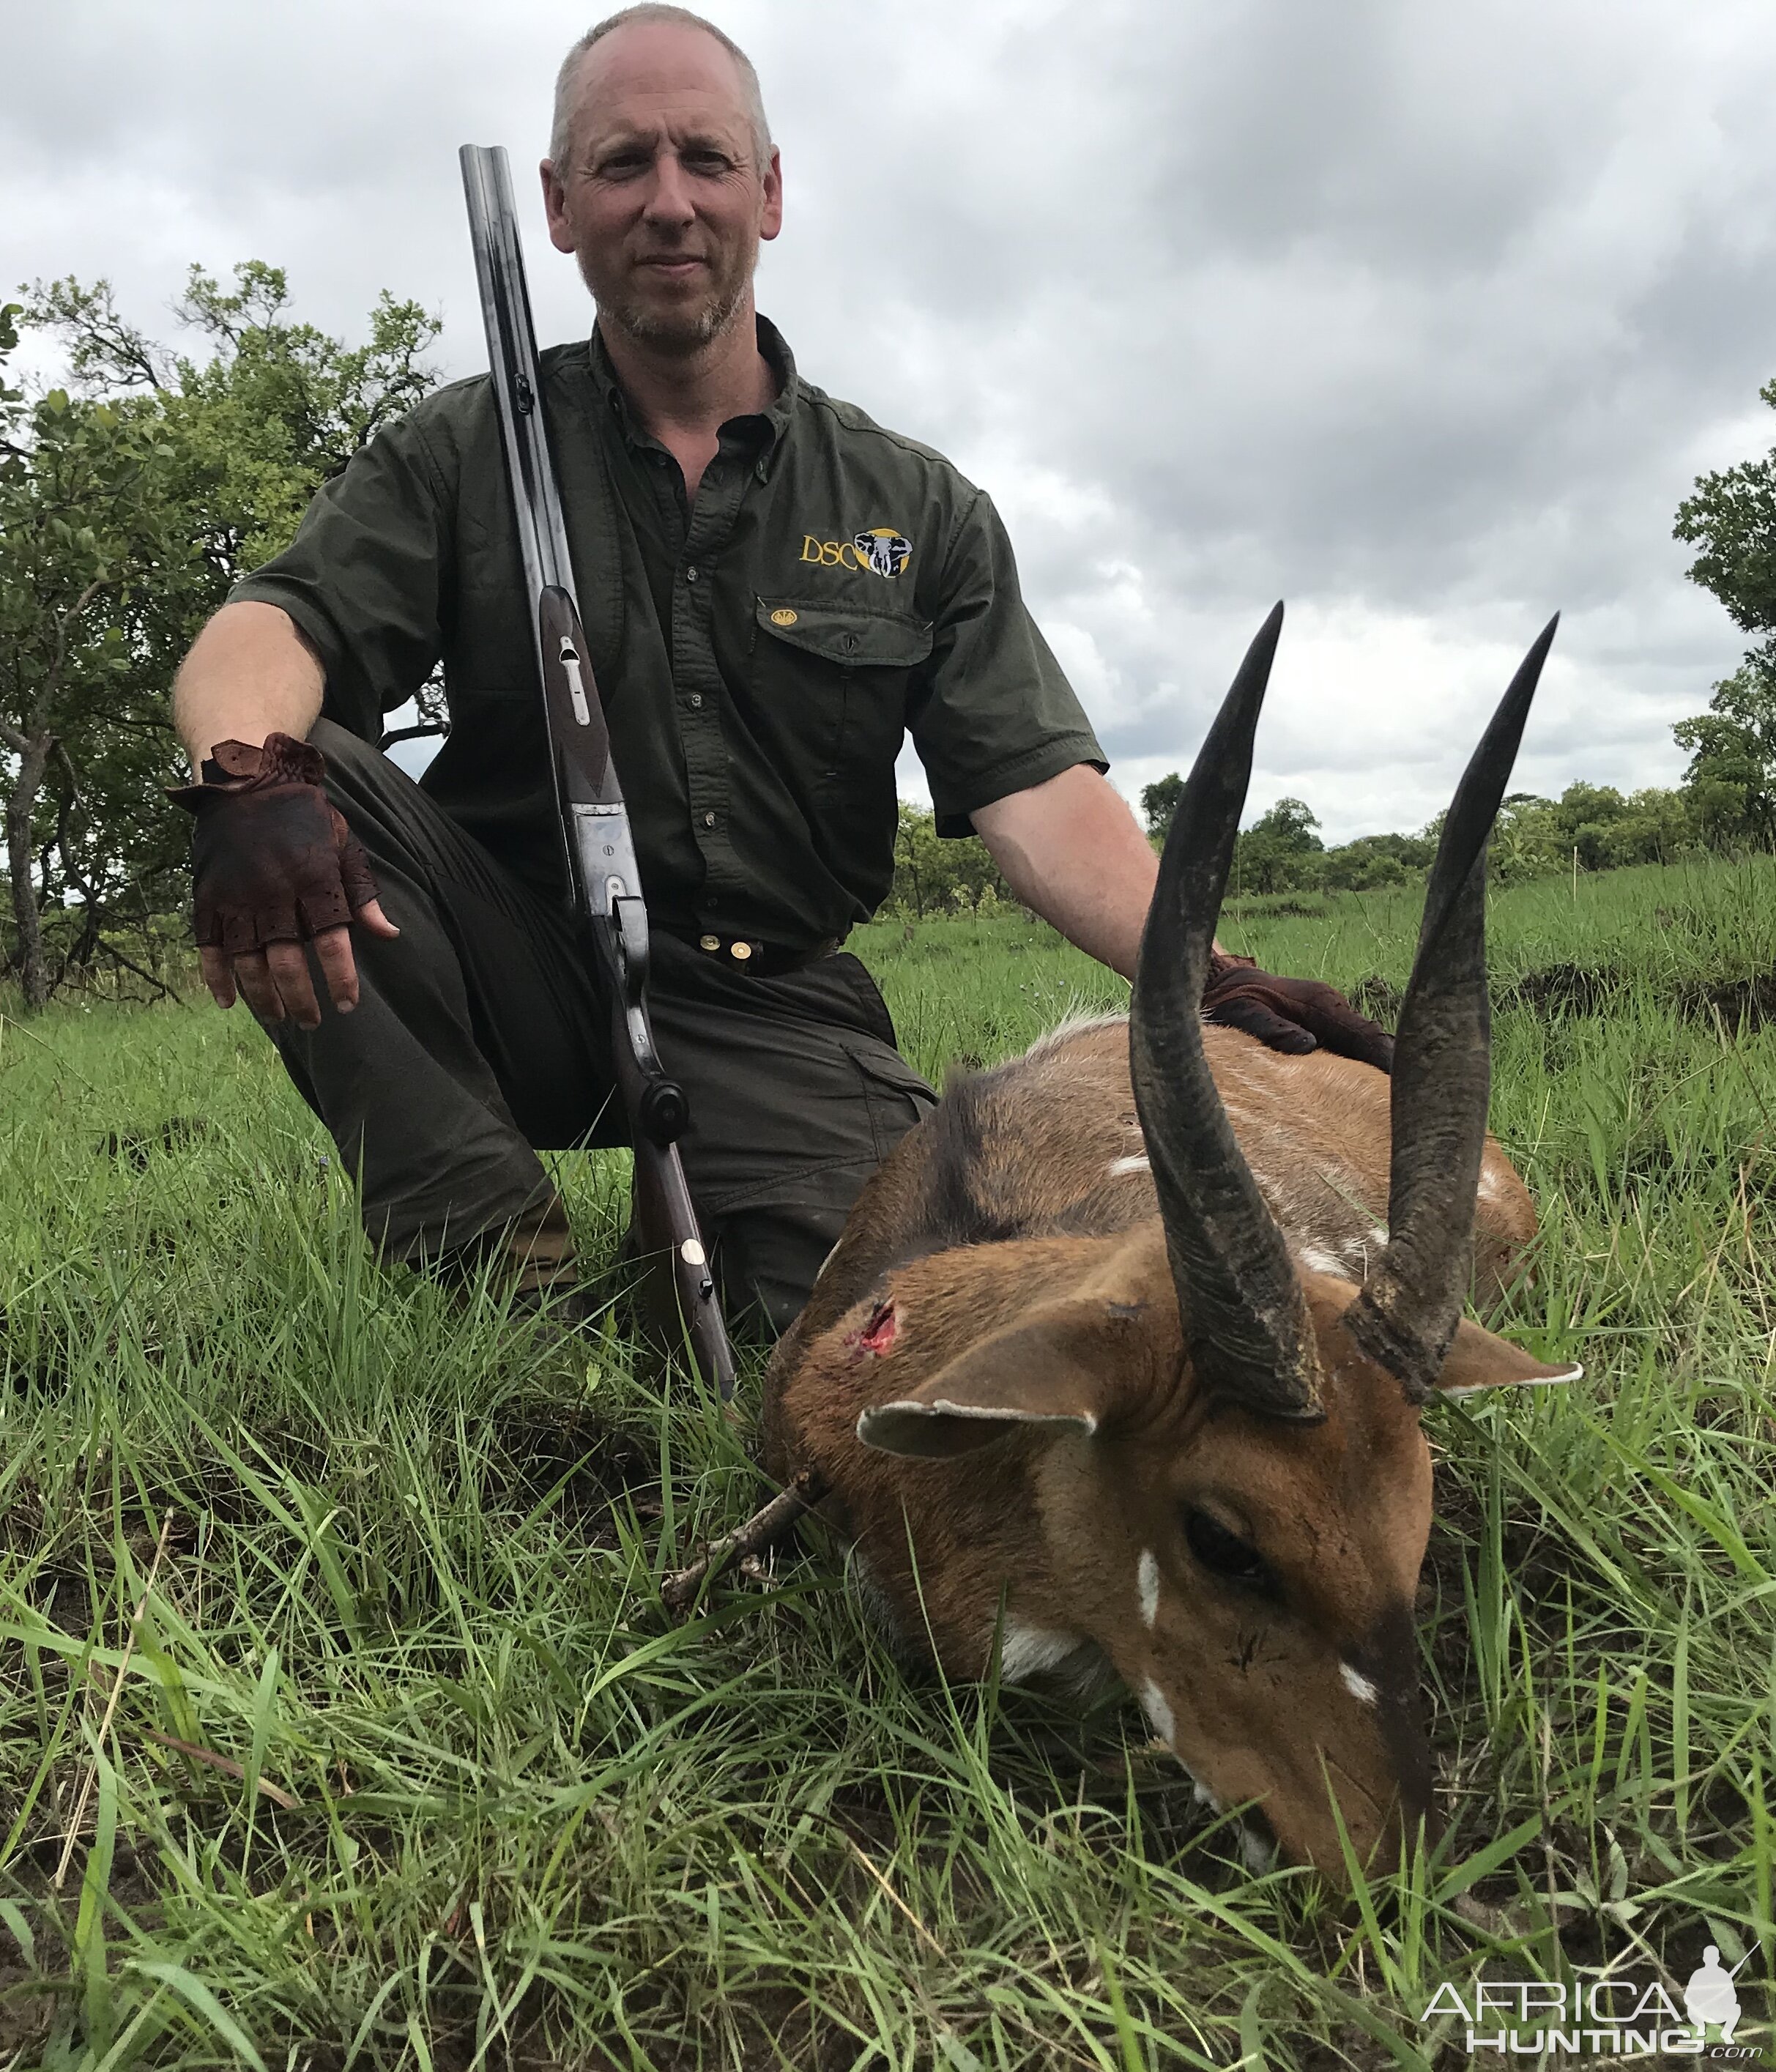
point(760, 654)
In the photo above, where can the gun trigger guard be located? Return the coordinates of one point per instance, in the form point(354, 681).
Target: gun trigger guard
point(663, 1112)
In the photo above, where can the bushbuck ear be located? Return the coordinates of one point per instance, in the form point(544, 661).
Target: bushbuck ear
point(1068, 1368)
point(1479, 1360)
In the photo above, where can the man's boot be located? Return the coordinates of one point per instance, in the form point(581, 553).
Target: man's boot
point(531, 1263)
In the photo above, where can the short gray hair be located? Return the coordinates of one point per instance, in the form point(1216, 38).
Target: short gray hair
point(561, 137)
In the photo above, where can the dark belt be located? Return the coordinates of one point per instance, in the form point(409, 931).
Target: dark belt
point(747, 953)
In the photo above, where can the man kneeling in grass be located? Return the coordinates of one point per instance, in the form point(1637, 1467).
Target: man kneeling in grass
point(775, 591)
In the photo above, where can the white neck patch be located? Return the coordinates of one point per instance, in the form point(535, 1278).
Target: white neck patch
point(1357, 1684)
point(1147, 1585)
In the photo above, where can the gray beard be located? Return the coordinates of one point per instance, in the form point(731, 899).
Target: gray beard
point(681, 337)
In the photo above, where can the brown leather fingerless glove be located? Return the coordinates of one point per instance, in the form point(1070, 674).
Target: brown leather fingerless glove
point(272, 860)
point(1291, 1014)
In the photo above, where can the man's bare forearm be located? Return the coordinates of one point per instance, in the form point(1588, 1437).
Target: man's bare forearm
point(1070, 848)
point(249, 673)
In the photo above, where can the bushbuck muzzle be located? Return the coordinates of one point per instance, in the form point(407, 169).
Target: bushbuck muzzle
point(1117, 1369)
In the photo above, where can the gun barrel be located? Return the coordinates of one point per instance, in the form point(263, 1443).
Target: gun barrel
point(505, 310)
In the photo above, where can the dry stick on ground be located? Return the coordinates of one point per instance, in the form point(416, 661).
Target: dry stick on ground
point(763, 1530)
point(111, 1707)
point(227, 1764)
point(881, 1879)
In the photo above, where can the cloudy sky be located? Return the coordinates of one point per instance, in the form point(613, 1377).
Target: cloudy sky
point(1423, 318)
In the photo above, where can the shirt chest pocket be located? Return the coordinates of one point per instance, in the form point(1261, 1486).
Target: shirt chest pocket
point(834, 682)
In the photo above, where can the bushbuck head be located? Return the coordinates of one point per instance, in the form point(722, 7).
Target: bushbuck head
point(1172, 1445)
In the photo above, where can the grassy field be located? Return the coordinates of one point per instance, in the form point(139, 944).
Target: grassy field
point(454, 1791)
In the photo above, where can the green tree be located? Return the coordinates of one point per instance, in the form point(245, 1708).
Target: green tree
point(1159, 802)
point(271, 409)
point(1585, 815)
point(86, 527)
point(1526, 839)
point(1731, 781)
point(131, 505)
point(936, 875)
point(1374, 861)
point(1731, 518)
point(1279, 852)
point(917, 867)
point(1604, 830)
point(1656, 826)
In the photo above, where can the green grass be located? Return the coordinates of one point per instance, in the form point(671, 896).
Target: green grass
point(410, 1582)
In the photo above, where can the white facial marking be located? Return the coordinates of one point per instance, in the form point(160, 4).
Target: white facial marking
point(1259, 1852)
point(1147, 1583)
point(1357, 1684)
point(1378, 1237)
point(1028, 1650)
point(1139, 1163)
point(1159, 1713)
point(1321, 1261)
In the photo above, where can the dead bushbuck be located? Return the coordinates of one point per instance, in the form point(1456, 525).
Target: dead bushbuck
point(1118, 1365)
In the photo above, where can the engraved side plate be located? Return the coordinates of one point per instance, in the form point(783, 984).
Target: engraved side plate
point(605, 850)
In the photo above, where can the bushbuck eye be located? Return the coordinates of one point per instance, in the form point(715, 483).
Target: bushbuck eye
point(1222, 1553)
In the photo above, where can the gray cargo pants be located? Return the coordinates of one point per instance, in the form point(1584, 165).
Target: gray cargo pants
point(479, 1040)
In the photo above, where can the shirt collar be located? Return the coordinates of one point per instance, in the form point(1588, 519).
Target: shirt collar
point(764, 428)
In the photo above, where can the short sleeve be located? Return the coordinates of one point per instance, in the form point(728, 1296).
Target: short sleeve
point(1000, 715)
point(362, 578)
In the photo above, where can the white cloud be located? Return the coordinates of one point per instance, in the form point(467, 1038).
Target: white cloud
point(1424, 319)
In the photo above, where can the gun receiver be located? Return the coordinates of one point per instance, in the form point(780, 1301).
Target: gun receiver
point(605, 883)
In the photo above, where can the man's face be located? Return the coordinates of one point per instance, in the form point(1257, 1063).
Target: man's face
point(661, 197)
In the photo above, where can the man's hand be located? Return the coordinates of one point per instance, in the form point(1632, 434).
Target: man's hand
point(274, 866)
point(1291, 1014)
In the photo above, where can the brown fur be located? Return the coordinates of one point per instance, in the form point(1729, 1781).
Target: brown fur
point(1028, 1148)
point(999, 1320)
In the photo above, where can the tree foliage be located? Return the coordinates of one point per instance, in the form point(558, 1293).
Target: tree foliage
point(1279, 850)
point(129, 502)
point(88, 533)
point(1593, 826)
point(1731, 776)
point(1159, 802)
point(934, 875)
point(1731, 519)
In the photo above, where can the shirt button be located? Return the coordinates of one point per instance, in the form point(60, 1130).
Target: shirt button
point(697, 701)
point(709, 942)
point(709, 820)
point(690, 575)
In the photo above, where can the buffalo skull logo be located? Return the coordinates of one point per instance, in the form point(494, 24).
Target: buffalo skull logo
point(882, 549)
